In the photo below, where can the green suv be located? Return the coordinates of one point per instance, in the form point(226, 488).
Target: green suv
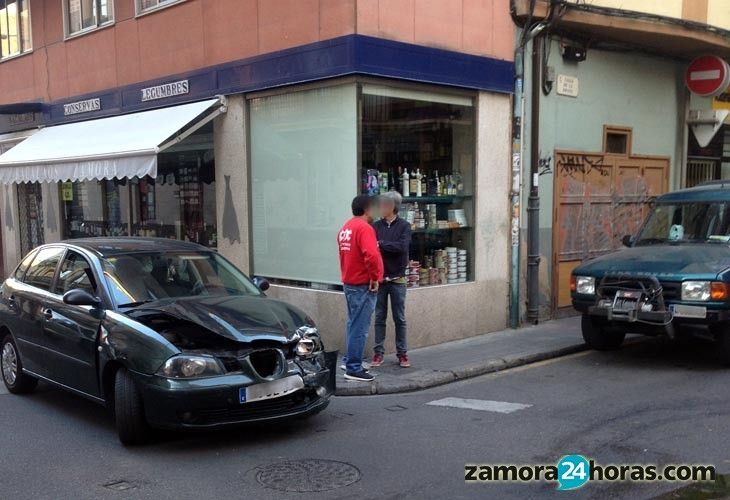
point(672, 279)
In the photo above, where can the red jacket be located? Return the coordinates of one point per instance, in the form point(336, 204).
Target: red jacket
point(360, 259)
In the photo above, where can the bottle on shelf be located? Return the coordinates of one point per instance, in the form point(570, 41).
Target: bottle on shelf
point(419, 188)
point(406, 184)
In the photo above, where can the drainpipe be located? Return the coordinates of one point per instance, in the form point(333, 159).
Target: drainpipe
point(518, 129)
point(533, 201)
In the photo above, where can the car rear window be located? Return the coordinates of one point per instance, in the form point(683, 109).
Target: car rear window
point(41, 272)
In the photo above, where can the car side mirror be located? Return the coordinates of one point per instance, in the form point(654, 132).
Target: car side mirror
point(627, 240)
point(262, 283)
point(79, 297)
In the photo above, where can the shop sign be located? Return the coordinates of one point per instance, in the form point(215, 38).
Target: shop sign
point(707, 76)
point(568, 86)
point(67, 191)
point(20, 118)
point(166, 90)
point(86, 106)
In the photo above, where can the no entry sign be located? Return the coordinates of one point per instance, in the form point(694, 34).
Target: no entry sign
point(708, 76)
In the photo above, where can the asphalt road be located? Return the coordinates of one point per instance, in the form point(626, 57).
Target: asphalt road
point(648, 403)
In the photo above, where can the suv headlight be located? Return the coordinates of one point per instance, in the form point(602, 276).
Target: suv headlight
point(191, 366)
point(585, 285)
point(696, 290)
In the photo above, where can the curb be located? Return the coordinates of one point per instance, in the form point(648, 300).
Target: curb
point(434, 378)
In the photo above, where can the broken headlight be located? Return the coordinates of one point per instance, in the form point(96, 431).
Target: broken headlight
point(190, 366)
point(309, 341)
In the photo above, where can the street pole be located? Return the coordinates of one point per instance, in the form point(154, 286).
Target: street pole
point(533, 201)
point(518, 129)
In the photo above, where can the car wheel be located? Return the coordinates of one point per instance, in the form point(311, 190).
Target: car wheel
point(129, 411)
point(599, 336)
point(11, 367)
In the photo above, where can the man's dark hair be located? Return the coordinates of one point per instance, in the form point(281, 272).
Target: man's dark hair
point(361, 203)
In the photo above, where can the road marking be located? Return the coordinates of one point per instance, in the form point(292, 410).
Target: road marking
point(479, 404)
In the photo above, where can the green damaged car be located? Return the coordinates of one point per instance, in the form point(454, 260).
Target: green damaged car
point(672, 279)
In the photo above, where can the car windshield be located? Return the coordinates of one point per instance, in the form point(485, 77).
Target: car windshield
point(136, 278)
point(696, 222)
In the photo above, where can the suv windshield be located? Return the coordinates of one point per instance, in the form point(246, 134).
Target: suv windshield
point(148, 276)
point(696, 222)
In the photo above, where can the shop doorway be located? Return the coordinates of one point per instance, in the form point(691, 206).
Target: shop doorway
point(30, 214)
point(599, 198)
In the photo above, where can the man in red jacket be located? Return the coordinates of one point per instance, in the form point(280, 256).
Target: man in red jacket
point(362, 271)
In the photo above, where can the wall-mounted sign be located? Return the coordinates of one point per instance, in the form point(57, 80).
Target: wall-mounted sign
point(67, 191)
point(707, 76)
point(165, 90)
point(74, 108)
point(568, 86)
point(20, 118)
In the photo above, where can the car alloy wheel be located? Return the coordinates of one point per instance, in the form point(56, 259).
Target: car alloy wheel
point(10, 364)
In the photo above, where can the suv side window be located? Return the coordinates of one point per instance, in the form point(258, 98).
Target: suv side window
point(19, 273)
point(41, 272)
point(75, 273)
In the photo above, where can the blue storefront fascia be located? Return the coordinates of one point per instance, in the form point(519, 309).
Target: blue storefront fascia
point(343, 56)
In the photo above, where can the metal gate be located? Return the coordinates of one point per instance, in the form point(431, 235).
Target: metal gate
point(30, 213)
point(599, 198)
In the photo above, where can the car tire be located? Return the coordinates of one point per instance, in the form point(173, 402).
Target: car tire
point(599, 336)
point(11, 368)
point(131, 422)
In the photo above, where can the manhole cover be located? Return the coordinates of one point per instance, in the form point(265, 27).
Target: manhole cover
point(309, 475)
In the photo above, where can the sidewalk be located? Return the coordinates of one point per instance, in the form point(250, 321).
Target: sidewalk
point(451, 361)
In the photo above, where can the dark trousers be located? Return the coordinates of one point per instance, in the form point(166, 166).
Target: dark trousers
point(397, 294)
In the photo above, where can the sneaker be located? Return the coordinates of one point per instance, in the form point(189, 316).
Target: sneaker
point(377, 360)
point(403, 361)
point(362, 376)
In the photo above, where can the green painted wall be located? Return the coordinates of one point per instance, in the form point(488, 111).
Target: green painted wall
point(626, 89)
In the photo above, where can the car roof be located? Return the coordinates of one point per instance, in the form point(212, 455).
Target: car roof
point(109, 246)
point(707, 191)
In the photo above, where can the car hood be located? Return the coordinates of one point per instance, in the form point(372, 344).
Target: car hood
point(678, 262)
point(238, 318)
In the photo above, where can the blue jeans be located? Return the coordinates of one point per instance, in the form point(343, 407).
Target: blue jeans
point(397, 294)
point(360, 307)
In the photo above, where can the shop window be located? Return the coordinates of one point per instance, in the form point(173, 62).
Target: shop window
point(30, 213)
point(86, 15)
point(180, 203)
point(303, 179)
point(421, 144)
point(14, 27)
point(617, 140)
point(95, 208)
point(144, 6)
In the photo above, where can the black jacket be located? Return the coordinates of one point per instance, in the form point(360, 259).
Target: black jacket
point(395, 241)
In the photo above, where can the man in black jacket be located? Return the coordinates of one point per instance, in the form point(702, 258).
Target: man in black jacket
point(394, 238)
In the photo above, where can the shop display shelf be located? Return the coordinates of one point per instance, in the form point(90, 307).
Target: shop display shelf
point(438, 230)
point(445, 200)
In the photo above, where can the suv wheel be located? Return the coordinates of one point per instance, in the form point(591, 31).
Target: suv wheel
point(11, 367)
point(599, 336)
point(128, 409)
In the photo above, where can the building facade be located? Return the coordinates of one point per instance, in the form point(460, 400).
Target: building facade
point(249, 125)
point(614, 123)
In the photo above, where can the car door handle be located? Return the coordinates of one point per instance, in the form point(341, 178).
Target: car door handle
point(48, 314)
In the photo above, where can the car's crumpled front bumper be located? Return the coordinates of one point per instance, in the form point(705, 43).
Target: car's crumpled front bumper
point(214, 401)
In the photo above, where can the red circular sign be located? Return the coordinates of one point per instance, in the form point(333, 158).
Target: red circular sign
point(708, 76)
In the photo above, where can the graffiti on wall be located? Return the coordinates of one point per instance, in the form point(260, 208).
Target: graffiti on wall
point(572, 165)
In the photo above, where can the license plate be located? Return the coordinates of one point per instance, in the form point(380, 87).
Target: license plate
point(270, 390)
point(683, 311)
